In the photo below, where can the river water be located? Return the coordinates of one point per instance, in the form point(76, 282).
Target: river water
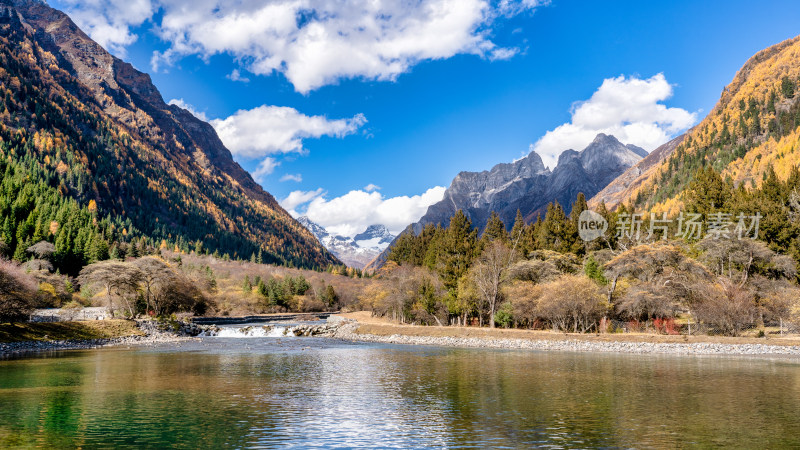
point(269, 391)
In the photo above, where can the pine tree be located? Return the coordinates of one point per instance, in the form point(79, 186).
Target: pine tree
point(456, 251)
point(495, 230)
point(247, 287)
point(578, 207)
point(517, 235)
point(594, 271)
point(552, 228)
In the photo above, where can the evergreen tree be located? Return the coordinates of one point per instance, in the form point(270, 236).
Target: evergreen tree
point(518, 235)
point(551, 232)
point(456, 250)
point(495, 230)
point(247, 286)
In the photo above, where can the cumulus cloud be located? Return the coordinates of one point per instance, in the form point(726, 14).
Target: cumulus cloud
point(353, 212)
point(297, 198)
point(628, 108)
point(109, 22)
point(267, 130)
point(292, 177)
point(312, 42)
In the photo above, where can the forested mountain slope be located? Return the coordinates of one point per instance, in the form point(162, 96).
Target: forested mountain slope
point(753, 129)
point(93, 160)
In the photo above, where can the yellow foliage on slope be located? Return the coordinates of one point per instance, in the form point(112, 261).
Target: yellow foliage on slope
point(782, 155)
point(756, 81)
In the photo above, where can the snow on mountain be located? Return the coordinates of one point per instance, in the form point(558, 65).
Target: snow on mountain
point(356, 251)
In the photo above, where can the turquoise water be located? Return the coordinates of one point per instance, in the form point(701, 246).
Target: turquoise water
point(305, 392)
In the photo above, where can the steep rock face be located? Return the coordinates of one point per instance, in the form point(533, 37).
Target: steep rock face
point(151, 164)
point(480, 193)
point(632, 178)
point(638, 150)
point(526, 185)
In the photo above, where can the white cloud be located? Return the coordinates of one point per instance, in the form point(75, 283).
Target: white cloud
point(237, 76)
point(372, 187)
point(628, 108)
point(297, 198)
point(179, 102)
point(312, 42)
point(109, 22)
point(292, 177)
point(268, 130)
point(265, 167)
point(353, 212)
point(318, 42)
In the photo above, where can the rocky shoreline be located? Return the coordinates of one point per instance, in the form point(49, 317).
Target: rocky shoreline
point(348, 332)
point(153, 335)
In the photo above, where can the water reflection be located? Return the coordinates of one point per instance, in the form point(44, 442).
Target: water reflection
point(311, 392)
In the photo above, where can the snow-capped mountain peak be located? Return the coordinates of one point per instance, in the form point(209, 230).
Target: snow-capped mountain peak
point(356, 251)
point(377, 236)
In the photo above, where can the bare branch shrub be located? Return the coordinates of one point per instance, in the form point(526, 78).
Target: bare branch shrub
point(572, 303)
point(17, 292)
point(728, 306)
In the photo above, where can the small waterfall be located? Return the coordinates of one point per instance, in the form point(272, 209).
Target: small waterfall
point(252, 331)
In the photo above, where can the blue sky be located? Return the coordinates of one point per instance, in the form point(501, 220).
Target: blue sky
point(475, 90)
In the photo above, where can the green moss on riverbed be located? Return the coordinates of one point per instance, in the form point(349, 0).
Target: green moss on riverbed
point(97, 329)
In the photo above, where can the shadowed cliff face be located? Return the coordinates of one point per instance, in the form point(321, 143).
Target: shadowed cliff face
point(526, 185)
point(621, 187)
point(185, 158)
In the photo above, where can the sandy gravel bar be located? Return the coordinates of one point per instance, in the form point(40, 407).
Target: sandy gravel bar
point(350, 332)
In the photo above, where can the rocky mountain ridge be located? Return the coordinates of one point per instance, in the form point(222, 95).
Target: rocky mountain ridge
point(526, 185)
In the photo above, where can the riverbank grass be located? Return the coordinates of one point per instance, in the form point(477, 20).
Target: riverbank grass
point(80, 330)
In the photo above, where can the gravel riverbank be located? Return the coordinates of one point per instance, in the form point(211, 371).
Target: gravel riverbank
point(153, 335)
point(349, 331)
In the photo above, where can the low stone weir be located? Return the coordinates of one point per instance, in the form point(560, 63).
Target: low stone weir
point(301, 317)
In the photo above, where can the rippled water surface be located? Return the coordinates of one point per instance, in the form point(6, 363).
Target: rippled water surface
point(303, 392)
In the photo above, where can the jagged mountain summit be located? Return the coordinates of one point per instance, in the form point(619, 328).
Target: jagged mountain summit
point(356, 251)
point(102, 136)
point(632, 178)
point(377, 236)
point(528, 186)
